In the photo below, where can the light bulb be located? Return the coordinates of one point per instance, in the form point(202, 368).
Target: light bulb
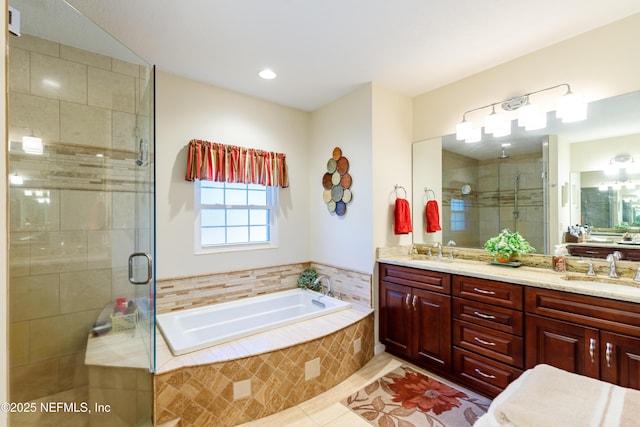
point(463, 129)
point(571, 108)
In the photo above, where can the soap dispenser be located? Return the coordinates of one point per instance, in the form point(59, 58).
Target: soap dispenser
point(558, 260)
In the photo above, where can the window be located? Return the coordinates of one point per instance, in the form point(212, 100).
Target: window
point(458, 215)
point(235, 214)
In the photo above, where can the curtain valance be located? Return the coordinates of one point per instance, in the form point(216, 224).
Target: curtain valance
point(211, 161)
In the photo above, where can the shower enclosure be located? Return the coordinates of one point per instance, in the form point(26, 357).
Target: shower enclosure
point(507, 192)
point(81, 222)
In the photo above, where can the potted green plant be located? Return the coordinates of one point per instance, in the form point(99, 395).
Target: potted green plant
point(307, 280)
point(507, 245)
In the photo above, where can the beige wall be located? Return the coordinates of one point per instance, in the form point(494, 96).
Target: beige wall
point(186, 109)
point(343, 241)
point(599, 64)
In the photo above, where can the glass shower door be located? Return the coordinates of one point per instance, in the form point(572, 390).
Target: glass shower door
point(81, 201)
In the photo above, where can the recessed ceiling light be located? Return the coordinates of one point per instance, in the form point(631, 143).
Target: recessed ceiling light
point(506, 144)
point(267, 74)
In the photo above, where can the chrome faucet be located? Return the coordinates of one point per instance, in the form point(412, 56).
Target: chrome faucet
point(439, 246)
point(611, 259)
point(329, 291)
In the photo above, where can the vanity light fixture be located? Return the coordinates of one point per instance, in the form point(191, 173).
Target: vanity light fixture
point(570, 107)
point(621, 162)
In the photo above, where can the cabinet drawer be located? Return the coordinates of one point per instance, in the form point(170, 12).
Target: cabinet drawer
point(490, 316)
point(488, 291)
point(417, 278)
point(615, 316)
point(497, 345)
point(484, 375)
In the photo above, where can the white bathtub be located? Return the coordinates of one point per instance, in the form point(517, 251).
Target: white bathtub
point(197, 328)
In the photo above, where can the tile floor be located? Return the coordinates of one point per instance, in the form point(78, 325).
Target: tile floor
point(326, 410)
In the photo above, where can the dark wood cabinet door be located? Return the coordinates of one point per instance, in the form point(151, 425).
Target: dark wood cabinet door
point(620, 359)
point(432, 330)
point(565, 345)
point(395, 318)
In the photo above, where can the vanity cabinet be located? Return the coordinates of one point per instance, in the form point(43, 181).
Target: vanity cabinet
point(488, 324)
point(415, 315)
point(592, 336)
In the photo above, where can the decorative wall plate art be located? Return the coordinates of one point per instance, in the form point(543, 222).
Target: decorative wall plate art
point(336, 182)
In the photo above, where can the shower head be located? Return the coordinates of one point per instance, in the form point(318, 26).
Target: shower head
point(503, 155)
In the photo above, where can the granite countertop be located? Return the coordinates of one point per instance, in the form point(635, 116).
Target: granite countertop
point(623, 289)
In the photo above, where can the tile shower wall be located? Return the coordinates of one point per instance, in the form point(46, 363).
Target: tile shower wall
point(72, 221)
point(196, 291)
point(491, 204)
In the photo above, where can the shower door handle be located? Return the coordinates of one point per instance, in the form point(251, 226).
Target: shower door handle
point(149, 270)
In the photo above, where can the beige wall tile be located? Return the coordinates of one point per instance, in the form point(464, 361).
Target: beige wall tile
point(36, 44)
point(58, 79)
point(85, 57)
point(85, 125)
point(34, 297)
point(122, 246)
point(34, 380)
point(19, 70)
point(19, 343)
point(73, 372)
point(28, 213)
point(99, 249)
point(19, 247)
point(33, 115)
point(124, 210)
point(55, 252)
point(85, 210)
point(112, 91)
point(84, 290)
point(124, 131)
point(125, 67)
point(57, 336)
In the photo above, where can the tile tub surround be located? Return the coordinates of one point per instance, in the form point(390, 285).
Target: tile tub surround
point(197, 291)
point(201, 391)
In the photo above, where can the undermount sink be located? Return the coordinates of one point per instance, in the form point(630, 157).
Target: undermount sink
point(600, 279)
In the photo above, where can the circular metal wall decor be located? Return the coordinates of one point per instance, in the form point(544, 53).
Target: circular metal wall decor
point(336, 182)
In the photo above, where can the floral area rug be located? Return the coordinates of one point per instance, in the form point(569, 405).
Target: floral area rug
point(407, 398)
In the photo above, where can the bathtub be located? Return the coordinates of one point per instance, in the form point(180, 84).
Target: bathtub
point(197, 328)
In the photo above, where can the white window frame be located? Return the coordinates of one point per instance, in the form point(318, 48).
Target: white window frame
point(458, 217)
point(272, 193)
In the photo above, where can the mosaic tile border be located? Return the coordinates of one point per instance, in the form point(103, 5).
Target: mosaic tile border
point(197, 291)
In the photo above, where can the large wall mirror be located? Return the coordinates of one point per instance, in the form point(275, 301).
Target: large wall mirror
point(506, 182)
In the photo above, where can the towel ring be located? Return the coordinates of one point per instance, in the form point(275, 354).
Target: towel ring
point(429, 192)
point(399, 187)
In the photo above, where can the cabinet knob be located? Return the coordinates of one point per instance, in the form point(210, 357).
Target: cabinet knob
point(406, 301)
point(413, 303)
point(607, 354)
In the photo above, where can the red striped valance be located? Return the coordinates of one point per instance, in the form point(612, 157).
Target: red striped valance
point(211, 161)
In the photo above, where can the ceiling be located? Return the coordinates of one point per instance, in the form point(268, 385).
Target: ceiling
point(322, 50)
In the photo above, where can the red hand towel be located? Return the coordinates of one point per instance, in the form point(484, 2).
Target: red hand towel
point(402, 217)
point(433, 216)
